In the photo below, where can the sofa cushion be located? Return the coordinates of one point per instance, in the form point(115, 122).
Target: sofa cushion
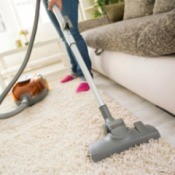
point(163, 6)
point(158, 38)
point(120, 36)
point(115, 12)
point(138, 8)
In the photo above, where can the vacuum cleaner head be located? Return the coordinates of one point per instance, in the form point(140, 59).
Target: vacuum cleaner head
point(35, 89)
point(121, 138)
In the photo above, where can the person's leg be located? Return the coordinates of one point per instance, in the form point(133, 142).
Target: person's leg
point(67, 48)
point(70, 8)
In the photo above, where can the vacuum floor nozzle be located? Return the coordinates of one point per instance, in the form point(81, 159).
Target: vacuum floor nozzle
point(121, 139)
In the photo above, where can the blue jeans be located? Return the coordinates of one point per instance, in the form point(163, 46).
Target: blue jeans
point(70, 9)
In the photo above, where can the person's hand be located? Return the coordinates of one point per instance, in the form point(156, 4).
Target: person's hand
point(51, 3)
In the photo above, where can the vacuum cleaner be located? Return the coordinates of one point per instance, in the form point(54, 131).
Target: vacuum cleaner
point(118, 137)
point(30, 91)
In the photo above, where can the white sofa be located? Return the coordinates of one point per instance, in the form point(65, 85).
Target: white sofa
point(132, 49)
point(152, 79)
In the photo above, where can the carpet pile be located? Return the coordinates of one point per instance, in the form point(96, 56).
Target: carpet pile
point(52, 138)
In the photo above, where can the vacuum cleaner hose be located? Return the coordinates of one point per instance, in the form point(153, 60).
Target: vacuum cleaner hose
point(21, 69)
point(15, 112)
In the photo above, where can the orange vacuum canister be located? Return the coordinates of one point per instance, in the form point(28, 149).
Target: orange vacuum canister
point(35, 89)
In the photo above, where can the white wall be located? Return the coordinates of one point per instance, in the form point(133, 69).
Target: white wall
point(45, 31)
point(13, 24)
point(7, 40)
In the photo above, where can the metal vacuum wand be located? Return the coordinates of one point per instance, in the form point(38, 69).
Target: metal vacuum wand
point(118, 137)
point(65, 25)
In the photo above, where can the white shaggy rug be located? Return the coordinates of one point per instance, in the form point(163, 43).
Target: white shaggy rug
point(52, 138)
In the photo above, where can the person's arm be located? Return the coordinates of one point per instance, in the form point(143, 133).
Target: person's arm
point(51, 3)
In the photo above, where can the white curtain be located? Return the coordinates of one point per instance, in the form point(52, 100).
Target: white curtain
point(19, 15)
point(2, 24)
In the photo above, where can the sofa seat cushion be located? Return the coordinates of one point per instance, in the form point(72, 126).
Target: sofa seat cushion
point(120, 36)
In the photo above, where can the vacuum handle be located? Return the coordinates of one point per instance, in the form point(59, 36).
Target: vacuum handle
point(70, 40)
point(72, 44)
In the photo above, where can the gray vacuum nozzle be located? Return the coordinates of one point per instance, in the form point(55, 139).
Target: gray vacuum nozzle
point(121, 139)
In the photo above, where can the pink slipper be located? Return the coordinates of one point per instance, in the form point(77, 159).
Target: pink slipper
point(83, 86)
point(67, 78)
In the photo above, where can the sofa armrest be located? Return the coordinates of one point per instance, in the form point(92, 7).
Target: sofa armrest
point(92, 23)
